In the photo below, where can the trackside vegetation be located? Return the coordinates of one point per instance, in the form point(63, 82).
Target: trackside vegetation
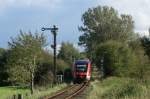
point(27, 64)
point(9, 91)
point(119, 88)
point(121, 55)
point(112, 44)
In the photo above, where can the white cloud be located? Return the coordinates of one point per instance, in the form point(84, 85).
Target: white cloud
point(4, 4)
point(80, 48)
point(139, 9)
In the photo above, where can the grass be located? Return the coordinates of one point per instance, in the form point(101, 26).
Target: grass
point(8, 92)
point(119, 88)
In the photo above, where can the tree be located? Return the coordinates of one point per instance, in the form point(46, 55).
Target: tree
point(3, 73)
point(45, 74)
point(110, 37)
point(146, 44)
point(68, 53)
point(118, 59)
point(143, 54)
point(101, 24)
point(25, 51)
point(121, 59)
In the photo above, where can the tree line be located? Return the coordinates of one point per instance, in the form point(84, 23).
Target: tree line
point(26, 62)
point(110, 37)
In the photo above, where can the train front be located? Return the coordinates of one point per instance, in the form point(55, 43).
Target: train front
point(82, 70)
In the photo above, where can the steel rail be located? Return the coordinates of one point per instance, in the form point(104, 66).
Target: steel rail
point(81, 89)
point(69, 92)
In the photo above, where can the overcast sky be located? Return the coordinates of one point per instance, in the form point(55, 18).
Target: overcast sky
point(66, 14)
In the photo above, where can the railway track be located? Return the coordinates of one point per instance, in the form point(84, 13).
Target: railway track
point(69, 92)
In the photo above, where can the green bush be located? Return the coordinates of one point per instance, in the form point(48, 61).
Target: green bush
point(118, 58)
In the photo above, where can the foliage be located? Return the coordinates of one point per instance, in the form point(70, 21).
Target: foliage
point(110, 36)
point(83, 55)
point(68, 77)
point(26, 58)
point(141, 70)
point(101, 24)
point(61, 65)
point(44, 74)
point(146, 44)
point(25, 51)
point(68, 53)
point(118, 88)
point(3, 73)
point(118, 59)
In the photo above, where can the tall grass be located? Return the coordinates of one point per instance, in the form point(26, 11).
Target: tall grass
point(8, 92)
point(119, 88)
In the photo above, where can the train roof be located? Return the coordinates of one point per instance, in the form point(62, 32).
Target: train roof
point(82, 61)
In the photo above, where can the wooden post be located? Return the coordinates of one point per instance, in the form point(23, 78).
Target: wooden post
point(14, 97)
point(20, 96)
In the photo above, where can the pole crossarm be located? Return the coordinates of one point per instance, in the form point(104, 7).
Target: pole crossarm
point(53, 30)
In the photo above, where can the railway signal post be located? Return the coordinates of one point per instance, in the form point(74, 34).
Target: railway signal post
point(53, 30)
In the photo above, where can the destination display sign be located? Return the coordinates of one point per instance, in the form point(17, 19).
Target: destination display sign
point(81, 65)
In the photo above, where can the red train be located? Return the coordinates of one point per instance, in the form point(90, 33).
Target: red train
point(81, 70)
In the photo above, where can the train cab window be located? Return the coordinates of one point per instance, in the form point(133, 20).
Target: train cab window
point(81, 67)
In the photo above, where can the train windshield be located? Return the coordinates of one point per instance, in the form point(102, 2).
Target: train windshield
point(81, 67)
